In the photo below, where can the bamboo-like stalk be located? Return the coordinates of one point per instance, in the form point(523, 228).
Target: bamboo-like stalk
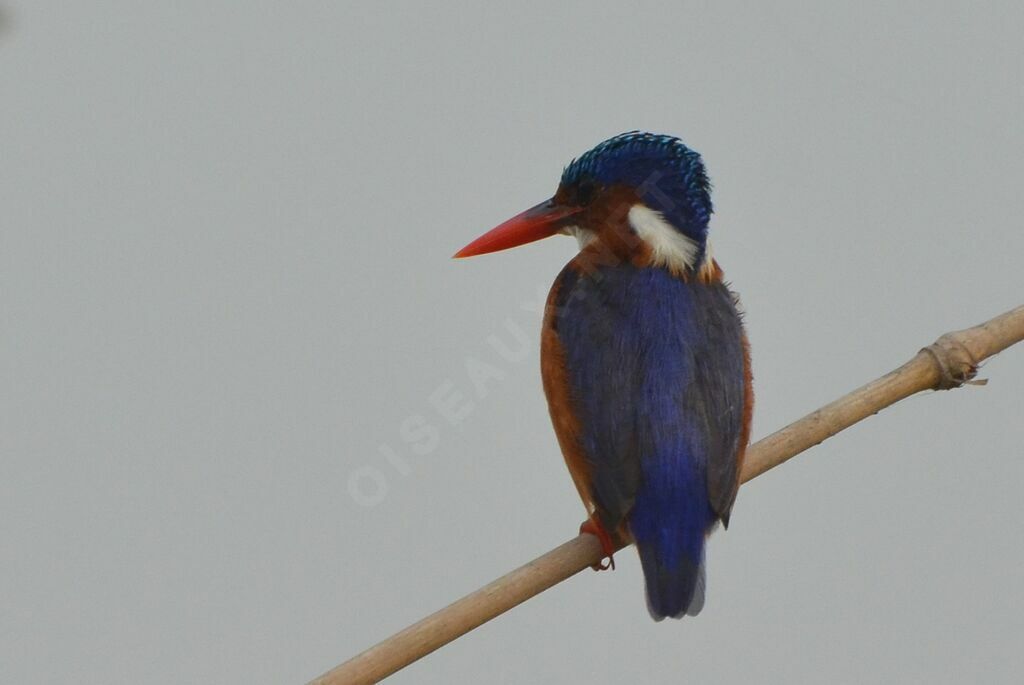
point(948, 363)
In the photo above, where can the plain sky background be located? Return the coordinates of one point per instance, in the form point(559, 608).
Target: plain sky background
point(226, 284)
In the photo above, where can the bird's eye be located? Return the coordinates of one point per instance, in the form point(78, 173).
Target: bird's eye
point(585, 193)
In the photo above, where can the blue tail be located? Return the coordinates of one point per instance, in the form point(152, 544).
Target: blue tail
point(672, 589)
point(669, 521)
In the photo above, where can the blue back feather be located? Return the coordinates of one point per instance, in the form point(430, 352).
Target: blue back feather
point(655, 367)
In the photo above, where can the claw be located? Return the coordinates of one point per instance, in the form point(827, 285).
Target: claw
point(593, 527)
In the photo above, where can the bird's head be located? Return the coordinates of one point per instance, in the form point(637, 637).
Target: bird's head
point(644, 197)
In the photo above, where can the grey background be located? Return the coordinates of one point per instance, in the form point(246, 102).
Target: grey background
point(226, 231)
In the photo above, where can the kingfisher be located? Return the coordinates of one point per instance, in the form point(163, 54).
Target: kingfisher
point(644, 358)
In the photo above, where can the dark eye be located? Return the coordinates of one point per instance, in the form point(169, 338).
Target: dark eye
point(585, 192)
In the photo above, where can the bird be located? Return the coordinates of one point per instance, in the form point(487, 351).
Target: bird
point(645, 360)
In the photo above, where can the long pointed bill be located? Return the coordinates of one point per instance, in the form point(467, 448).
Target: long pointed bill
point(536, 223)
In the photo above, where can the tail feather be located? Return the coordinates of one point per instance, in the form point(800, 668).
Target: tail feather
point(672, 590)
point(670, 520)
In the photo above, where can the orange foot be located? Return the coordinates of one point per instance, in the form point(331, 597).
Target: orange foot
point(593, 527)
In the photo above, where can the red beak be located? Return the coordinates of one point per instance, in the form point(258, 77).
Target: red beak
point(538, 222)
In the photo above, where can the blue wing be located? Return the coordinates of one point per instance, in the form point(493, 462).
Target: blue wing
point(655, 373)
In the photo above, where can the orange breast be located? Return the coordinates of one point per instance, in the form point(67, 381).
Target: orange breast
point(556, 388)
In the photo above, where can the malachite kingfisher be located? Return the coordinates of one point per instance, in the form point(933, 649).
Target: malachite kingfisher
point(645, 361)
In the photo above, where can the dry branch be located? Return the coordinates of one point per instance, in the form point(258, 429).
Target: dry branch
point(948, 363)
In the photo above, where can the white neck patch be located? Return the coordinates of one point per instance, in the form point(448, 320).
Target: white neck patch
point(583, 238)
point(669, 247)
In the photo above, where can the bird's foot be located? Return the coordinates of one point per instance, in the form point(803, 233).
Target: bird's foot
point(593, 527)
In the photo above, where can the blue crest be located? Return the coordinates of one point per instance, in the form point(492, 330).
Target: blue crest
point(668, 176)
